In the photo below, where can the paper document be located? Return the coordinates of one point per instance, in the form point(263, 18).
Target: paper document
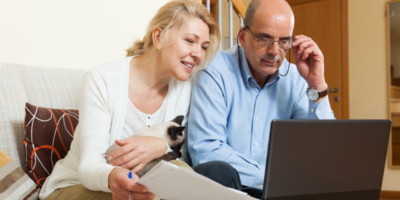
point(170, 182)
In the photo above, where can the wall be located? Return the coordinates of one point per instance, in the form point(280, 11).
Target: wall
point(368, 68)
point(395, 38)
point(71, 33)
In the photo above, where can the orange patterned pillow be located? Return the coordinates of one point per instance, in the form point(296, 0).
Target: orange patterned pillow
point(48, 136)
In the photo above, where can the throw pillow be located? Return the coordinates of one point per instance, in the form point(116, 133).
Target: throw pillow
point(48, 136)
point(14, 183)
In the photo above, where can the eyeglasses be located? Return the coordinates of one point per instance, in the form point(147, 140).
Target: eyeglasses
point(263, 41)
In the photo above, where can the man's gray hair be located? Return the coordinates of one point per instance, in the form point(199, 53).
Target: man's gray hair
point(251, 9)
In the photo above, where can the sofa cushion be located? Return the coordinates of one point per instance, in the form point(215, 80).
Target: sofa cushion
point(48, 136)
point(46, 87)
point(14, 183)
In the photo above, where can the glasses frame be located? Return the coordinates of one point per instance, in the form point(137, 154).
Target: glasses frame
point(269, 41)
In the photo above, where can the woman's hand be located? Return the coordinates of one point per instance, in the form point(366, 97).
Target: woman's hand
point(136, 152)
point(120, 186)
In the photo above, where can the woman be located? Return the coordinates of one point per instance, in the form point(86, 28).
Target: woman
point(151, 85)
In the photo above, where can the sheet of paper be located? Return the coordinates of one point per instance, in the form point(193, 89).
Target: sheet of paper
point(170, 182)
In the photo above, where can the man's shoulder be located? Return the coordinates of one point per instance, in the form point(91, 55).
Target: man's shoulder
point(224, 63)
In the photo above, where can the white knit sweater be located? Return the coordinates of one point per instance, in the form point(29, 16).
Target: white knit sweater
point(101, 118)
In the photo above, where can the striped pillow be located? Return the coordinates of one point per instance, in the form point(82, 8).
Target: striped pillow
point(14, 183)
point(48, 137)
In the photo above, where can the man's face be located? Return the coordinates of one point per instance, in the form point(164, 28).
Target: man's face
point(264, 60)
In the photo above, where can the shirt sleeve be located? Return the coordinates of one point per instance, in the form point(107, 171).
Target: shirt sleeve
point(207, 128)
point(307, 109)
point(94, 135)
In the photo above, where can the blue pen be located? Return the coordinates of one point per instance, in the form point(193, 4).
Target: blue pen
point(130, 176)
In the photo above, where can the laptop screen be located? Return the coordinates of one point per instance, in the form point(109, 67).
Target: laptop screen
point(326, 159)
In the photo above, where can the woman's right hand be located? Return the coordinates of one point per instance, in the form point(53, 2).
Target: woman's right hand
point(120, 186)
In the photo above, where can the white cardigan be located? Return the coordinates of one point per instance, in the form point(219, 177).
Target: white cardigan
point(101, 118)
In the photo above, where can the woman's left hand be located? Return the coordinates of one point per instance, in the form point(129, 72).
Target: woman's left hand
point(136, 152)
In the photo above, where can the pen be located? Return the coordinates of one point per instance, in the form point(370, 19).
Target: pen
point(130, 176)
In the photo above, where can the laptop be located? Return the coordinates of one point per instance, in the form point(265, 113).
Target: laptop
point(326, 159)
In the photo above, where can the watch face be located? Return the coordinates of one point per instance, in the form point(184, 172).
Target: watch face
point(312, 94)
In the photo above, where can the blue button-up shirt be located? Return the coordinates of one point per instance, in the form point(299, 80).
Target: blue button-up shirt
point(230, 113)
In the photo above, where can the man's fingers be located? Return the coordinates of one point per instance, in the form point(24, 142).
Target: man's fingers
point(304, 45)
point(307, 52)
point(299, 39)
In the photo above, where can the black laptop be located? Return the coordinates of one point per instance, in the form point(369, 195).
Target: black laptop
point(326, 159)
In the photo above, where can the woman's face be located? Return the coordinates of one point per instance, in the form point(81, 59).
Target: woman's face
point(185, 48)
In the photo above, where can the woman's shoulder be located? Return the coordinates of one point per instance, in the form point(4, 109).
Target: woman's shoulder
point(115, 66)
point(113, 72)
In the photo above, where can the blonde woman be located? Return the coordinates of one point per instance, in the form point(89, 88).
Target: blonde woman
point(149, 86)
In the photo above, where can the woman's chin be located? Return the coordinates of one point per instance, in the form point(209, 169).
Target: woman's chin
point(183, 77)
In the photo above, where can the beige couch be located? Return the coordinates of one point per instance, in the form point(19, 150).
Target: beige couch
point(46, 87)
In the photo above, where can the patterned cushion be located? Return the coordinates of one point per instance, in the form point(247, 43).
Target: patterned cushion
point(48, 136)
point(14, 183)
point(52, 87)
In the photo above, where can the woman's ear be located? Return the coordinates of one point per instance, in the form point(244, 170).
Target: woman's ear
point(156, 37)
point(241, 35)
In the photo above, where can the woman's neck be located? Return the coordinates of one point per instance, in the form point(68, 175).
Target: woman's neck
point(148, 70)
point(148, 83)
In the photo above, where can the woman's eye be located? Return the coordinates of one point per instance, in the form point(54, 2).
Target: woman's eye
point(190, 40)
point(204, 47)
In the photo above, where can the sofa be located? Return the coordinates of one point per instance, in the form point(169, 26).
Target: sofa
point(40, 86)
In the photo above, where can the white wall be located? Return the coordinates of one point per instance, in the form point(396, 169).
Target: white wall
point(368, 69)
point(71, 33)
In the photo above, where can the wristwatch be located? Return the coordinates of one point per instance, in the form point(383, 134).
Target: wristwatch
point(314, 95)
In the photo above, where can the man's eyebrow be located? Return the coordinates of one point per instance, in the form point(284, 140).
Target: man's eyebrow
point(286, 38)
point(266, 35)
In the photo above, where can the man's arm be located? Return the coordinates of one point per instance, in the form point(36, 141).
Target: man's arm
point(310, 64)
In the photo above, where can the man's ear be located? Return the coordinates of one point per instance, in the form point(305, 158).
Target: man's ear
point(241, 35)
point(156, 37)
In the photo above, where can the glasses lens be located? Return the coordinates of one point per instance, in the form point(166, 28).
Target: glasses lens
point(264, 42)
point(285, 44)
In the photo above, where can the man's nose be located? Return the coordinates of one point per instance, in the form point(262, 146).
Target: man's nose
point(274, 48)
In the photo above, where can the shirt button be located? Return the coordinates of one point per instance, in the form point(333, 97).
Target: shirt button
point(256, 144)
point(317, 112)
point(148, 117)
point(312, 109)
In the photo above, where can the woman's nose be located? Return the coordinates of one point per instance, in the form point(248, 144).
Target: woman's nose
point(197, 52)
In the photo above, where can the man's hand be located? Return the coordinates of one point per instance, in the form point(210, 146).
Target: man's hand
point(309, 61)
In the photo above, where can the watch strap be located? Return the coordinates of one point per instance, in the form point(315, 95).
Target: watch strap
point(323, 93)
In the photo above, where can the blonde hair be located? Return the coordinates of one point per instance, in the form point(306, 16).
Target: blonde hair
point(172, 15)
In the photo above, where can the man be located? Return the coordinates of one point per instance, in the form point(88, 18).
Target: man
point(236, 97)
